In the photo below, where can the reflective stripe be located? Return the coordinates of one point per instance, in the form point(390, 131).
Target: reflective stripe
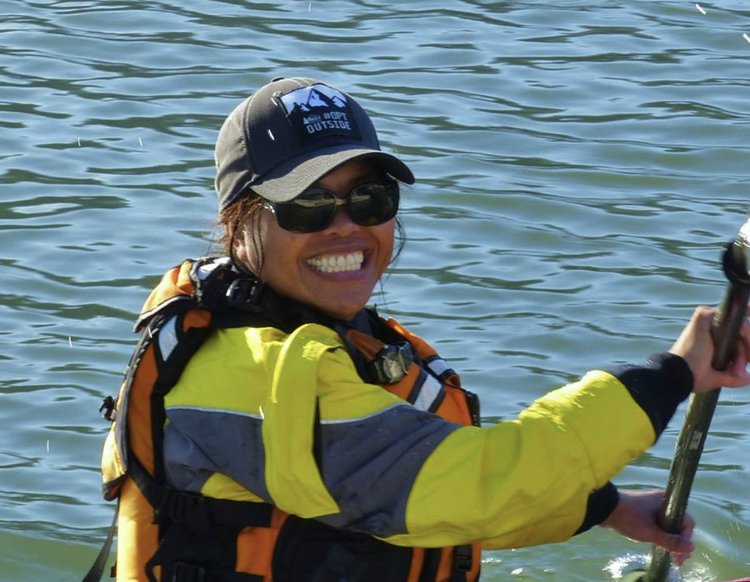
point(205, 269)
point(168, 337)
point(439, 366)
point(215, 410)
point(361, 418)
point(428, 393)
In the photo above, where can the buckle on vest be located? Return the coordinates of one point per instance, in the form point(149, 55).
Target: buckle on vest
point(107, 409)
point(462, 559)
point(391, 364)
point(243, 293)
point(188, 509)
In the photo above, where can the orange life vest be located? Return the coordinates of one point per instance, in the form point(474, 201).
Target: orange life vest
point(168, 535)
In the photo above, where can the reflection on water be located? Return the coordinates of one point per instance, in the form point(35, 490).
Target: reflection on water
point(579, 168)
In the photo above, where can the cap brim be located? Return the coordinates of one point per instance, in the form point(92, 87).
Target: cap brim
point(291, 179)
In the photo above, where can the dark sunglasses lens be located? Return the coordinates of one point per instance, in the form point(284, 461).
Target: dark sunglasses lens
point(310, 212)
point(374, 203)
point(368, 204)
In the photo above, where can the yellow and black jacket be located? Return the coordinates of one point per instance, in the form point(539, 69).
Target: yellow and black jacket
point(256, 440)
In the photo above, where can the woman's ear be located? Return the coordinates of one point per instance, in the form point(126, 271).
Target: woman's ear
point(239, 246)
point(245, 248)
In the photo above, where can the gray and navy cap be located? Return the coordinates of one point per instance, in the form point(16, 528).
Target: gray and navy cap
point(290, 134)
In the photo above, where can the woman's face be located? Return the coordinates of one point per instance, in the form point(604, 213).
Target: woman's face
point(299, 265)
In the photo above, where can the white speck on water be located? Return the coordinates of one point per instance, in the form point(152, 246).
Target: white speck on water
point(622, 565)
point(70, 341)
point(309, 7)
point(516, 572)
point(746, 37)
point(700, 9)
point(79, 142)
point(48, 445)
point(140, 142)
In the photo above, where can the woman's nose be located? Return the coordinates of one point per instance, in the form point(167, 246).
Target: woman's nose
point(342, 221)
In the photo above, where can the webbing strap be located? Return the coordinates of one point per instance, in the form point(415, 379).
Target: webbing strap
point(97, 568)
point(462, 563)
point(193, 510)
point(188, 573)
point(430, 565)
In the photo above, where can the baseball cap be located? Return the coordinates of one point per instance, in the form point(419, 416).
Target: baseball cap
point(290, 134)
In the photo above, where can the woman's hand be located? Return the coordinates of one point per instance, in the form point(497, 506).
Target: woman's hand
point(695, 345)
point(636, 517)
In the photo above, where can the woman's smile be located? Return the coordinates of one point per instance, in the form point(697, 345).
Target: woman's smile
point(351, 262)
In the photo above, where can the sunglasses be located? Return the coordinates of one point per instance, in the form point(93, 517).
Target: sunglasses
point(368, 204)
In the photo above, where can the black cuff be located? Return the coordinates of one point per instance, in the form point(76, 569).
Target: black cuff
point(601, 503)
point(658, 387)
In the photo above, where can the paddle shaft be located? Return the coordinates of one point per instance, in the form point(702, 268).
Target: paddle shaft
point(727, 325)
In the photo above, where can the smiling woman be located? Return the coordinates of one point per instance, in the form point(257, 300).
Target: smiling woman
point(272, 427)
point(334, 268)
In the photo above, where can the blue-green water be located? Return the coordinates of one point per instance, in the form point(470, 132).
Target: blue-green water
point(580, 166)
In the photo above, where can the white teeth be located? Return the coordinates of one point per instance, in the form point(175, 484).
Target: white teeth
point(337, 263)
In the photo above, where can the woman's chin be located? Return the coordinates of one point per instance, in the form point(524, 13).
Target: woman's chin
point(341, 302)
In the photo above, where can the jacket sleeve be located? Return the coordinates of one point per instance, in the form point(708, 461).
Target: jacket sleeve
point(528, 481)
point(658, 387)
point(599, 505)
point(415, 479)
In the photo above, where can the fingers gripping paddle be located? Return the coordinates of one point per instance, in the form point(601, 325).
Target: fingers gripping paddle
point(689, 446)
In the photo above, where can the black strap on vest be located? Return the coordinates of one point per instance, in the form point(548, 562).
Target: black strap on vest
point(430, 565)
point(462, 563)
point(195, 511)
point(183, 572)
point(184, 514)
point(188, 573)
point(97, 569)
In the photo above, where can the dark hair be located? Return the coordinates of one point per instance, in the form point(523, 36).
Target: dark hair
point(231, 221)
point(400, 241)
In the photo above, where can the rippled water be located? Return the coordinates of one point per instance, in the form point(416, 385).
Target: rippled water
point(580, 166)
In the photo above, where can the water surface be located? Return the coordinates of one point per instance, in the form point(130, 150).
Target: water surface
point(580, 166)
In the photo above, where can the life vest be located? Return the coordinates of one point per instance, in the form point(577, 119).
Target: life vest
point(165, 535)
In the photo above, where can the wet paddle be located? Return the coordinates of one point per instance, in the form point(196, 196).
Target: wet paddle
point(689, 446)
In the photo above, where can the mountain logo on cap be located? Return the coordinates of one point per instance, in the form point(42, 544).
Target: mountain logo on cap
point(319, 111)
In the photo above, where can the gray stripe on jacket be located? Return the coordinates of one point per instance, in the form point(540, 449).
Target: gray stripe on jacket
point(368, 464)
